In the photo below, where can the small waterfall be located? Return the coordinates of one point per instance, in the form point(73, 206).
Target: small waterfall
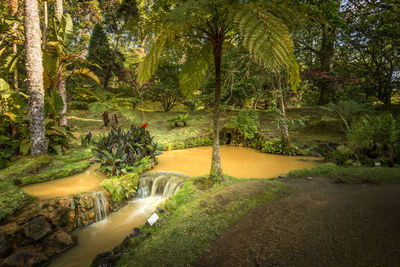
point(99, 199)
point(162, 183)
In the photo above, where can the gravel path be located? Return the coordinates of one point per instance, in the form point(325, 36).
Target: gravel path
point(319, 224)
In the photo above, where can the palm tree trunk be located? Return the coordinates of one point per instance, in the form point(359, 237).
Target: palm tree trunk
point(45, 24)
point(59, 9)
point(34, 67)
point(216, 169)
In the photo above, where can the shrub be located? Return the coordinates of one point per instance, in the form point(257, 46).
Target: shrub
point(181, 118)
point(246, 122)
point(121, 188)
point(375, 137)
point(119, 151)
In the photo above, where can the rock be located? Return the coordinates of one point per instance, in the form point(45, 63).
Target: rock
point(103, 260)
point(25, 258)
point(136, 232)
point(36, 228)
point(283, 176)
point(59, 242)
point(6, 246)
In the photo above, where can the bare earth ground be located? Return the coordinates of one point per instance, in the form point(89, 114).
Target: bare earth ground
point(321, 223)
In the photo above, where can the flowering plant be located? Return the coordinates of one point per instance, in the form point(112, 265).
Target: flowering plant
point(144, 125)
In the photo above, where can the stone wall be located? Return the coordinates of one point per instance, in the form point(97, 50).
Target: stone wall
point(42, 229)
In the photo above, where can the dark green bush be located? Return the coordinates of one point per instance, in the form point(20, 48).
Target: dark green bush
point(118, 151)
point(246, 122)
point(375, 137)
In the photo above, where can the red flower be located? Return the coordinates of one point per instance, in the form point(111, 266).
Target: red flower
point(144, 125)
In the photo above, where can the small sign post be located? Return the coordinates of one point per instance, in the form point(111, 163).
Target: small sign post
point(153, 219)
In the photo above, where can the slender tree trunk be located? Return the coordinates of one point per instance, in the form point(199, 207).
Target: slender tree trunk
point(15, 73)
point(45, 24)
point(34, 68)
point(285, 131)
point(13, 9)
point(326, 56)
point(216, 169)
point(63, 93)
point(61, 85)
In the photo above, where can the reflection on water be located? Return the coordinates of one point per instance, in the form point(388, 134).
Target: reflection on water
point(105, 235)
point(88, 180)
point(240, 162)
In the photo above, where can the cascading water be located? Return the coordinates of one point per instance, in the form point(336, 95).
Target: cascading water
point(162, 183)
point(100, 205)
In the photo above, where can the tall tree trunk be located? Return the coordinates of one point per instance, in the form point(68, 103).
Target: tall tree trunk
point(61, 85)
point(59, 9)
point(216, 169)
point(285, 130)
point(34, 68)
point(110, 63)
point(326, 55)
point(45, 24)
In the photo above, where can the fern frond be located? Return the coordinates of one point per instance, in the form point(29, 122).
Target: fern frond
point(267, 38)
point(150, 62)
point(194, 68)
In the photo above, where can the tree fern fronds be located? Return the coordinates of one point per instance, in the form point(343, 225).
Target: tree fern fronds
point(195, 68)
point(150, 62)
point(266, 36)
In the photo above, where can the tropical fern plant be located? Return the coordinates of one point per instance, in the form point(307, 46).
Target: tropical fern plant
point(206, 28)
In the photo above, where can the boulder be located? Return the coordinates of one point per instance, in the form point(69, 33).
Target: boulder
point(36, 228)
point(6, 246)
point(104, 260)
point(25, 258)
point(59, 242)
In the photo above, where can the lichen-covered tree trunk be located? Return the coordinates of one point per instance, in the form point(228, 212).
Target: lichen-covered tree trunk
point(34, 69)
point(216, 169)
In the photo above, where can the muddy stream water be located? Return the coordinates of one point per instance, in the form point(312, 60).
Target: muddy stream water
point(105, 235)
point(240, 162)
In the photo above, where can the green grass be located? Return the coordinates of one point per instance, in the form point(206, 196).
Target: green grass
point(379, 175)
point(194, 217)
point(28, 170)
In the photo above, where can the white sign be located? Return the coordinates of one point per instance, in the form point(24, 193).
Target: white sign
point(153, 218)
point(377, 164)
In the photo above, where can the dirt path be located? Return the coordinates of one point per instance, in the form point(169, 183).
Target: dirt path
point(320, 224)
